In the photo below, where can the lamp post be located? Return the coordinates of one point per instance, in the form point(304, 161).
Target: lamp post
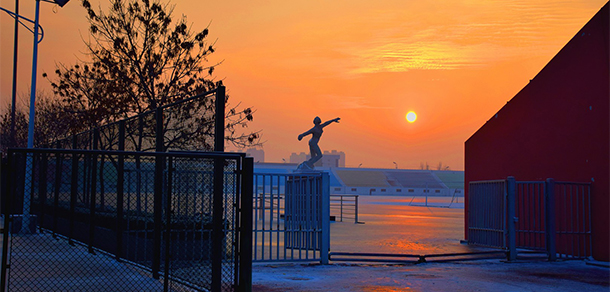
point(14, 91)
point(396, 164)
point(27, 190)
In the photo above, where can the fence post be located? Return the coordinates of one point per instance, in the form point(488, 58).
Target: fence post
point(356, 209)
point(120, 192)
point(42, 187)
point(92, 197)
point(7, 179)
point(158, 194)
point(219, 125)
point(58, 174)
point(168, 223)
point(218, 192)
point(325, 246)
point(510, 218)
point(550, 219)
point(73, 190)
point(245, 248)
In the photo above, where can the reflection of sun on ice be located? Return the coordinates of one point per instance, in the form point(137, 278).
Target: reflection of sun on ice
point(411, 117)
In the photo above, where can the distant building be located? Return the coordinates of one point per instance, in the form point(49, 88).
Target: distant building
point(257, 154)
point(333, 158)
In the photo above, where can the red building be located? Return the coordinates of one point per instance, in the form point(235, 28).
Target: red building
point(557, 127)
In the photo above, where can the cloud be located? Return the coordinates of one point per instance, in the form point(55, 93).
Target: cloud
point(351, 102)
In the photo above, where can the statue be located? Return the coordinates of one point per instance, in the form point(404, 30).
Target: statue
point(316, 133)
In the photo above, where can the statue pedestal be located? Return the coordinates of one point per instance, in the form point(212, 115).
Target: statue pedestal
point(305, 167)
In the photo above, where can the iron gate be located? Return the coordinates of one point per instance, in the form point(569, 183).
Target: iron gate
point(291, 217)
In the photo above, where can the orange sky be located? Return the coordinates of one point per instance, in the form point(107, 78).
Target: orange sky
point(454, 63)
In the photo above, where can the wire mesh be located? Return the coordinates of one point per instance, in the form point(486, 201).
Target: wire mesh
point(103, 221)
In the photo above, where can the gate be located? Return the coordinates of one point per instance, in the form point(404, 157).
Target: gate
point(546, 216)
point(291, 217)
point(123, 221)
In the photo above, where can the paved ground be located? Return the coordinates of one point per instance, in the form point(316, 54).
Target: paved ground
point(391, 226)
point(485, 275)
point(395, 225)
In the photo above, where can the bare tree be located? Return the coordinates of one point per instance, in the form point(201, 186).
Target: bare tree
point(139, 59)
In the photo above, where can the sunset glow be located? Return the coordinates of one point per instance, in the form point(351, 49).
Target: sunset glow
point(456, 62)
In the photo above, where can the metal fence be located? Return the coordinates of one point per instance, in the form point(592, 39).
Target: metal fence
point(186, 124)
point(546, 216)
point(487, 213)
point(344, 206)
point(291, 217)
point(126, 221)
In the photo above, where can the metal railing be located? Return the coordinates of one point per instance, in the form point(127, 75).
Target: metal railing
point(189, 123)
point(344, 206)
point(291, 217)
point(487, 213)
point(572, 219)
point(546, 216)
point(116, 220)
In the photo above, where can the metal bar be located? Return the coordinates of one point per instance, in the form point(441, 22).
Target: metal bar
point(245, 254)
point(58, 172)
point(277, 227)
point(73, 191)
point(217, 224)
point(510, 197)
point(158, 194)
point(577, 220)
point(255, 211)
point(93, 192)
point(325, 194)
point(550, 219)
point(168, 223)
point(588, 188)
point(42, 187)
point(219, 124)
point(356, 210)
point(8, 179)
point(271, 214)
point(263, 218)
point(572, 221)
point(120, 192)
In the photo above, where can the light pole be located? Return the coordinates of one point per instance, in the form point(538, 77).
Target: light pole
point(14, 92)
point(396, 164)
point(27, 190)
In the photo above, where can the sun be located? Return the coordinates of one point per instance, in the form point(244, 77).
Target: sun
point(411, 117)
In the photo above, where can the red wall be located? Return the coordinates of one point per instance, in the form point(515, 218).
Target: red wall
point(556, 127)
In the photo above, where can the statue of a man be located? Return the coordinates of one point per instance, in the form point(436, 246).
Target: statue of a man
point(316, 133)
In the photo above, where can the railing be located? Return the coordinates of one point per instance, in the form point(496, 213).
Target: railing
point(291, 217)
point(344, 206)
point(487, 213)
point(551, 217)
point(189, 123)
point(573, 219)
point(183, 220)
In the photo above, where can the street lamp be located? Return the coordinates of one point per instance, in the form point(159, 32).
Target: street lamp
point(28, 166)
point(396, 164)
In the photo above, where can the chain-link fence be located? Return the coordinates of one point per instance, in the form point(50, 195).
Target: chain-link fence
point(86, 220)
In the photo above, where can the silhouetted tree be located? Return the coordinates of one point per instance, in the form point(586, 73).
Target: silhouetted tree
point(141, 59)
point(50, 122)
